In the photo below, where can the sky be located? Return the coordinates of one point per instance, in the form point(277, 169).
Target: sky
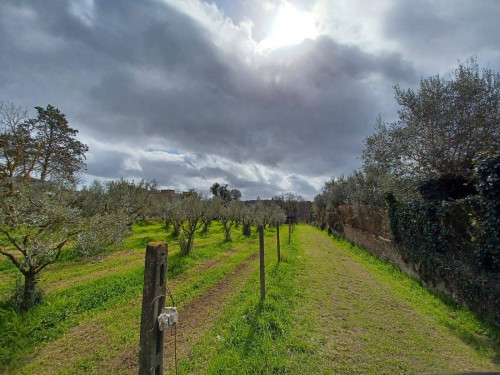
point(267, 96)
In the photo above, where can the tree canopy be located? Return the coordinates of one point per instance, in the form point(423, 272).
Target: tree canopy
point(224, 193)
point(41, 212)
point(41, 148)
point(441, 127)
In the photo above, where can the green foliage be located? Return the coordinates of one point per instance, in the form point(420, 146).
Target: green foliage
point(253, 336)
point(62, 156)
point(62, 309)
point(456, 244)
point(42, 148)
point(41, 213)
point(441, 127)
point(222, 192)
point(487, 172)
point(17, 300)
point(42, 220)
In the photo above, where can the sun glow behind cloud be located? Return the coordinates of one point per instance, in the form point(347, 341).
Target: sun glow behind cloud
point(291, 27)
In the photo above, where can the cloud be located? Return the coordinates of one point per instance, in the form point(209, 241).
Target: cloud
point(439, 33)
point(178, 91)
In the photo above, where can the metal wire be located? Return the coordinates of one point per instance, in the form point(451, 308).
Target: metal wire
point(174, 328)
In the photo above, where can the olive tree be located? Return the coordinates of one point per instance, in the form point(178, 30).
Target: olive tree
point(251, 215)
point(212, 207)
point(441, 127)
point(247, 217)
point(135, 200)
point(187, 214)
point(110, 209)
point(36, 222)
point(194, 210)
point(173, 215)
point(41, 212)
point(228, 215)
point(275, 215)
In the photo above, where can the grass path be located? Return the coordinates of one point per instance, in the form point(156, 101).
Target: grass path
point(355, 321)
point(107, 342)
point(330, 308)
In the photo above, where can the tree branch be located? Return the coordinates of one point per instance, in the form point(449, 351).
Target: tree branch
point(13, 260)
point(13, 241)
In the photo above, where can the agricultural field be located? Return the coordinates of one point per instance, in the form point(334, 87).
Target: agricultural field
point(330, 307)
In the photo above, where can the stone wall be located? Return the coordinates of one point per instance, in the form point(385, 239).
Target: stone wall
point(378, 246)
point(384, 249)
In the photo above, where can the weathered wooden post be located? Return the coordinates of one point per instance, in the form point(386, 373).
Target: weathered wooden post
point(278, 239)
point(153, 301)
point(261, 252)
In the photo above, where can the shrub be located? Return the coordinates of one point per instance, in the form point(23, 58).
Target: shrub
point(456, 243)
point(17, 300)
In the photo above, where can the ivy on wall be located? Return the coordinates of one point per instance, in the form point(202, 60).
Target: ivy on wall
point(455, 243)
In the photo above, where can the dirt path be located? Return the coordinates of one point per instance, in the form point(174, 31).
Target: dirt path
point(89, 340)
point(195, 318)
point(357, 324)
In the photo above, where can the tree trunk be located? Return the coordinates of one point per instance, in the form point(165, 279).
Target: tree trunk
point(228, 234)
point(29, 289)
point(206, 225)
point(189, 243)
point(176, 230)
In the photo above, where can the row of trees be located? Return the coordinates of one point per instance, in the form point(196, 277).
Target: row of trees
point(295, 207)
point(190, 212)
point(441, 128)
point(43, 214)
point(436, 171)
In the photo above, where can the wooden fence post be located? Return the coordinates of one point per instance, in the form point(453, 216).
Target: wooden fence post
point(261, 252)
point(278, 239)
point(153, 301)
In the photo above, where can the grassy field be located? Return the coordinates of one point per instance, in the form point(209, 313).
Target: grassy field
point(330, 308)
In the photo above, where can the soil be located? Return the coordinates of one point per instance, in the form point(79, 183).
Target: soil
point(195, 317)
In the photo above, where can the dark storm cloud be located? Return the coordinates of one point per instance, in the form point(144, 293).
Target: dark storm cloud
point(447, 28)
point(309, 98)
point(144, 73)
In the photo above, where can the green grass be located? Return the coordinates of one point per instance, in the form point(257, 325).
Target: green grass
point(110, 339)
point(314, 321)
point(330, 307)
point(67, 307)
point(372, 311)
point(460, 321)
point(252, 336)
